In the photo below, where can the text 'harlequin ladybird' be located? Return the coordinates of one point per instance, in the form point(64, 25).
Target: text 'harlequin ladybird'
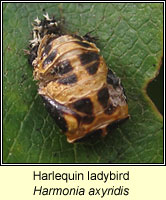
point(78, 89)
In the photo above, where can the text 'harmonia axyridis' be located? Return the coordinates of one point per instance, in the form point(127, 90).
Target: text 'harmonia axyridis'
point(80, 92)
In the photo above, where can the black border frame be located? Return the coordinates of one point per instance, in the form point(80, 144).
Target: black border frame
point(81, 164)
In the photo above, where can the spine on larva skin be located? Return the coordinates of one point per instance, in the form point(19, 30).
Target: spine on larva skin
point(40, 29)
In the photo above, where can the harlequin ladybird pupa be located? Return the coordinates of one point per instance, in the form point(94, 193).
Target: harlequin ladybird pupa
point(80, 92)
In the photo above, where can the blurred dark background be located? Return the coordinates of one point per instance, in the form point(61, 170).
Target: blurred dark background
point(155, 90)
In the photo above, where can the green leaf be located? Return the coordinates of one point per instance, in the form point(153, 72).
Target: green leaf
point(130, 39)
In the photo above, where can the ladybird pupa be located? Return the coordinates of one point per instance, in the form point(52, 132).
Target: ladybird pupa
point(78, 89)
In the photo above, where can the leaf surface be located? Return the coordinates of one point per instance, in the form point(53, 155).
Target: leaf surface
point(130, 40)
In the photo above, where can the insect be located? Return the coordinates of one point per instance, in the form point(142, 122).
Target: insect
point(78, 89)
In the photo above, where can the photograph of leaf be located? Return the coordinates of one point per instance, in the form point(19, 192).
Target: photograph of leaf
point(130, 39)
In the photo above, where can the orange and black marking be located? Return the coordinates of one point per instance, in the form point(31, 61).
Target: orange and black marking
point(80, 92)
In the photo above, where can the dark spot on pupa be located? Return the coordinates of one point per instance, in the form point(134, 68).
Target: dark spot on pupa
point(83, 44)
point(50, 40)
point(46, 50)
point(63, 67)
point(92, 69)
point(68, 80)
point(84, 105)
point(109, 110)
point(57, 111)
point(103, 97)
point(87, 119)
point(88, 57)
point(50, 58)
